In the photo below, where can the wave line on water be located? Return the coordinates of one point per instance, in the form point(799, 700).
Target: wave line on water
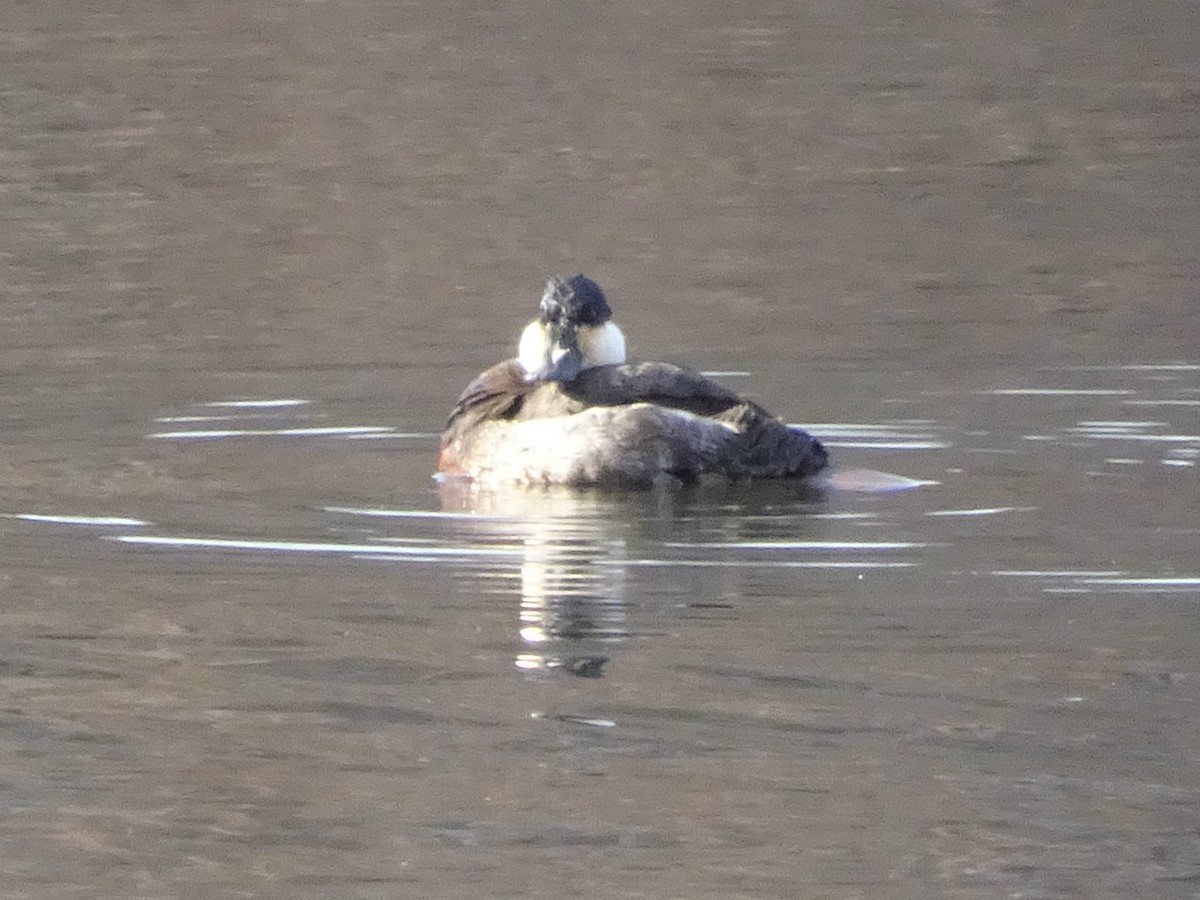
point(984, 511)
point(415, 514)
point(800, 545)
point(167, 420)
point(1161, 402)
point(834, 515)
point(279, 546)
point(98, 521)
point(888, 445)
point(383, 435)
point(254, 404)
point(755, 563)
point(1058, 573)
point(862, 428)
point(915, 434)
point(1131, 436)
point(426, 553)
point(334, 430)
point(1172, 581)
point(1059, 392)
point(1129, 367)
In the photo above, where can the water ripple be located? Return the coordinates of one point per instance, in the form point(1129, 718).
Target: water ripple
point(96, 521)
point(916, 434)
point(1088, 581)
point(289, 418)
point(1162, 387)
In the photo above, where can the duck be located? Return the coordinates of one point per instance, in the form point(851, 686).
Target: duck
point(569, 409)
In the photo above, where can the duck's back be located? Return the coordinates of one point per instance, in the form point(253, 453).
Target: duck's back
point(631, 425)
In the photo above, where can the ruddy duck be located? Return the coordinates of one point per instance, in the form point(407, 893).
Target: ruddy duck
point(569, 410)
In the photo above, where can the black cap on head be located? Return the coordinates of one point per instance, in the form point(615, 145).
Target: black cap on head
point(577, 300)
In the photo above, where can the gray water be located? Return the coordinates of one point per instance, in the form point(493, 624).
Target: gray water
point(251, 252)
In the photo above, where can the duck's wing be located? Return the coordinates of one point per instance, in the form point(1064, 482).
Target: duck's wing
point(496, 393)
point(733, 436)
point(503, 392)
point(661, 384)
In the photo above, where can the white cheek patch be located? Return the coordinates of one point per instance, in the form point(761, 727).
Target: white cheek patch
point(602, 345)
point(532, 351)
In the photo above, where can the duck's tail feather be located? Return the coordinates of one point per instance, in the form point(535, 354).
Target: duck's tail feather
point(761, 446)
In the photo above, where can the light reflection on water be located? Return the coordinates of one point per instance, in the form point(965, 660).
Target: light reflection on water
point(560, 544)
point(801, 636)
point(569, 558)
point(1171, 439)
point(269, 418)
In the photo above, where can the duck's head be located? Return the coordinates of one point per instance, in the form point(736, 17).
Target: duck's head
point(573, 331)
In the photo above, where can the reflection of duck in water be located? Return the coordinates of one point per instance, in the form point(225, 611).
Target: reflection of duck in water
point(568, 410)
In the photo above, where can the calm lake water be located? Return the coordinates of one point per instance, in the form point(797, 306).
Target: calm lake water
point(250, 254)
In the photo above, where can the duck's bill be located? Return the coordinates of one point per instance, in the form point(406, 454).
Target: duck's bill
point(560, 363)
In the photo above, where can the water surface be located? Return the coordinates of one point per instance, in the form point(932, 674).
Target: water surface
point(252, 252)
